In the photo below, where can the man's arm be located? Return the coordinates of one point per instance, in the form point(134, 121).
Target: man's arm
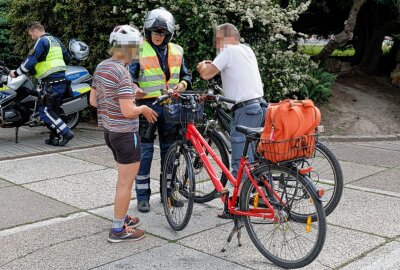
point(34, 55)
point(207, 70)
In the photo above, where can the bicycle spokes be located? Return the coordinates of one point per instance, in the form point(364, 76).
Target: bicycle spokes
point(177, 187)
point(290, 237)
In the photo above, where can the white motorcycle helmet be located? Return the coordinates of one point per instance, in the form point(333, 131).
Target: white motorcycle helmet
point(125, 35)
point(159, 19)
point(78, 49)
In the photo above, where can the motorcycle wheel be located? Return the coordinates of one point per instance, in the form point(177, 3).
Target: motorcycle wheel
point(71, 120)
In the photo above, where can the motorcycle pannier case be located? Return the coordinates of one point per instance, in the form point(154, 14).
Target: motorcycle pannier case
point(289, 130)
point(79, 101)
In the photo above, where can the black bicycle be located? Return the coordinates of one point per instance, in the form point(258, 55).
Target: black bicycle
point(326, 173)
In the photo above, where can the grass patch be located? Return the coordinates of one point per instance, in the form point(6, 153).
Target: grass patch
point(316, 49)
point(348, 51)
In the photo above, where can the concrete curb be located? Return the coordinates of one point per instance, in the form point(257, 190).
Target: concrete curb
point(86, 126)
point(359, 138)
point(56, 151)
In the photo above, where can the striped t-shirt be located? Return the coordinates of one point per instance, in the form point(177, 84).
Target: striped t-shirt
point(113, 82)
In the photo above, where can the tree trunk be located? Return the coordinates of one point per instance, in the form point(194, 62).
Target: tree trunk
point(374, 52)
point(395, 50)
point(345, 35)
point(366, 24)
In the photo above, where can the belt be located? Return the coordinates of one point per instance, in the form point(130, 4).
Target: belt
point(52, 81)
point(245, 103)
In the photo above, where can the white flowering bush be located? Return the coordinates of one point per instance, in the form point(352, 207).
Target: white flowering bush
point(263, 24)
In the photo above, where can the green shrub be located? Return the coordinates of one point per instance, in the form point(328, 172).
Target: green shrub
point(320, 89)
point(6, 53)
point(263, 24)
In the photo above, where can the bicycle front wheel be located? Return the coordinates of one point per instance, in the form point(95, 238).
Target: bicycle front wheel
point(177, 186)
point(284, 240)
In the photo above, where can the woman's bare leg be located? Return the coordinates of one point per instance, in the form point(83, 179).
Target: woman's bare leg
point(126, 176)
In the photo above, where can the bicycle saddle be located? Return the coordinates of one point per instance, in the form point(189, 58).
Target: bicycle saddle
point(251, 133)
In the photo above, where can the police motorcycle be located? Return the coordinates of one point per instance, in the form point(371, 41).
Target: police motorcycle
point(20, 97)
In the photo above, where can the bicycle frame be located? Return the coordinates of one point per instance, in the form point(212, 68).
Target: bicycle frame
point(199, 143)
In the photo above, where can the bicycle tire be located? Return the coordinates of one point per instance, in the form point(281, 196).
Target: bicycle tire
point(178, 186)
point(205, 190)
point(271, 236)
point(327, 173)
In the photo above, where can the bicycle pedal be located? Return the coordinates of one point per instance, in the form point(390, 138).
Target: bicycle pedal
point(221, 193)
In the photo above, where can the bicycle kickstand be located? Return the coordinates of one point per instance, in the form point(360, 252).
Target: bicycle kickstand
point(237, 228)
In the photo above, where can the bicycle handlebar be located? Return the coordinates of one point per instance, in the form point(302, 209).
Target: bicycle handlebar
point(161, 99)
point(193, 97)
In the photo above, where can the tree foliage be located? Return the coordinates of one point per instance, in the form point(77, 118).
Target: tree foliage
point(376, 19)
point(264, 24)
point(6, 52)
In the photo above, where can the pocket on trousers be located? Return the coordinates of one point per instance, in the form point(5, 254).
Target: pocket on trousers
point(254, 111)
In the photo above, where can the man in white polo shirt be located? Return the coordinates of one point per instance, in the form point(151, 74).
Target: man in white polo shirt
point(241, 81)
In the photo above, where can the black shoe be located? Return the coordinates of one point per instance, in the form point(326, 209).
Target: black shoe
point(225, 215)
point(143, 206)
point(67, 138)
point(52, 141)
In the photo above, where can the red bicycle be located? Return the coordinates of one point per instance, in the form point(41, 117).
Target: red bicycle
point(285, 219)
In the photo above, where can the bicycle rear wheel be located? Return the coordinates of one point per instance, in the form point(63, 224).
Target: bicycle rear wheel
point(205, 190)
point(177, 187)
point(326, 173)
point(285, 240)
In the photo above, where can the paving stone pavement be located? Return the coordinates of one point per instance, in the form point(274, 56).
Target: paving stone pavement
point(56, 209)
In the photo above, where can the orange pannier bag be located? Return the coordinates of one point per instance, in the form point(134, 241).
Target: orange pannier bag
point(289, 130)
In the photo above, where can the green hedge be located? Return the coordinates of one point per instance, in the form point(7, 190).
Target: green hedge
point(7, 53)
point(262, 23)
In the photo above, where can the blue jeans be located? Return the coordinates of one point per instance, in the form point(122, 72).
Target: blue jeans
point(249, 116)
point(50, 112)
point(166, 133)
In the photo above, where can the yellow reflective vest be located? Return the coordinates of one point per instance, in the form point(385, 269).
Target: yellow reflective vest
point(151, 78)
point(54, 61)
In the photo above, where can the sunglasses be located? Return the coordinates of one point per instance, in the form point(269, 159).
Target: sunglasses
point(161, 34)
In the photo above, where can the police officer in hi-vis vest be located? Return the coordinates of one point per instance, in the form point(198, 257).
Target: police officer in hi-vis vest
point(47, 62)
point(161, 67)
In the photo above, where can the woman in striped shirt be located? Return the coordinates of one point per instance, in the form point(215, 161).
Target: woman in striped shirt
point(113, 93)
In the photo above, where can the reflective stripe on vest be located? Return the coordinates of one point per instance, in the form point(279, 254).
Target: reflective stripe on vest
point(152, 79)
point(54, 60)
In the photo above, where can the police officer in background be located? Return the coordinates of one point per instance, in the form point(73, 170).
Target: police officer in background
point(47, 62)
point(161, 67)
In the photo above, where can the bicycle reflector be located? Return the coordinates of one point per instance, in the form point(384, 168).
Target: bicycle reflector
point(255, 202)
point(308, 224)
point(306, 170)
point(321, 192)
